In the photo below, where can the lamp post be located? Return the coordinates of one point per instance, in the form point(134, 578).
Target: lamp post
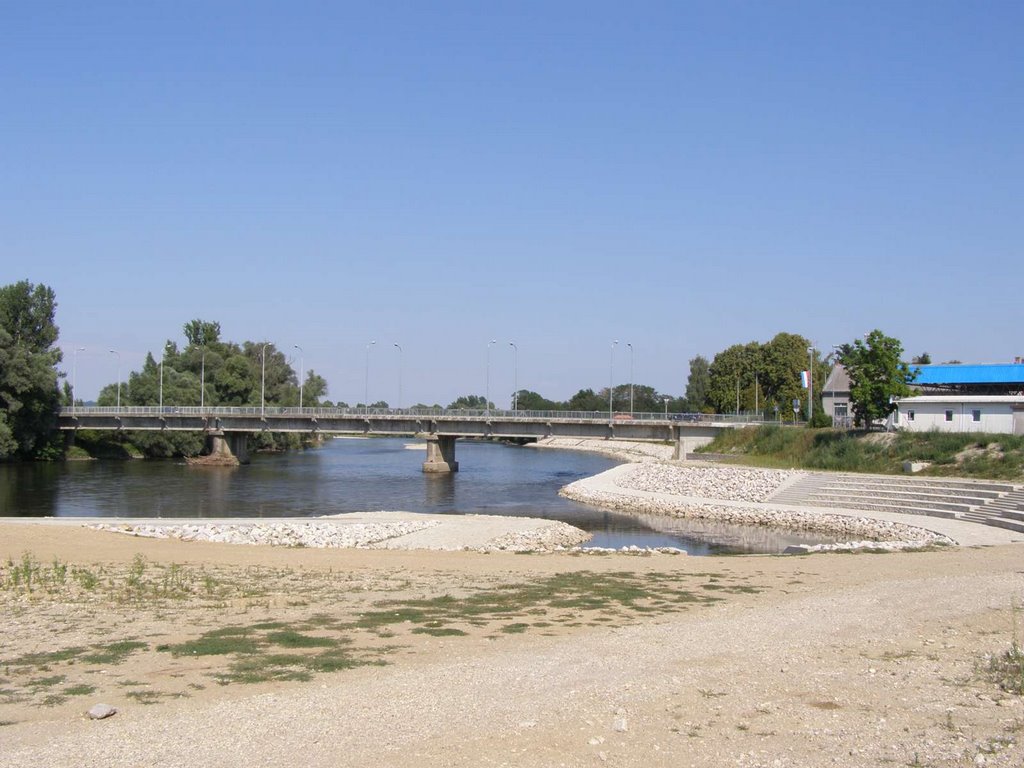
point(611, 380)
point(630, 379)
point(366, 379)
point(757, 403)
point(202, 380)
point(74, 378)
point(487, 379)
point(302, 373)
point(115, 352)
point(163, 356)
point(737, 394)
point(263, 381)
point(666, 399)
point(399, 348)
point(515, 377)
point(810, 383)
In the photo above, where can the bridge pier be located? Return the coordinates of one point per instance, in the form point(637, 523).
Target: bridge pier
point(227, 447)
point(440, 454)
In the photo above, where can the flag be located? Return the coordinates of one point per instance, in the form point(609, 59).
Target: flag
point(805, 379)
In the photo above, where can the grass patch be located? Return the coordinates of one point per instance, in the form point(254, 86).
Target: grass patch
point(438, 631)
point(1007, 669)
point(557, 598)
point(999, 457)
point(80, 690)
point(113, 653)
point(292, 639)
point(146, 696)
point(217, 642)
point(45, 659)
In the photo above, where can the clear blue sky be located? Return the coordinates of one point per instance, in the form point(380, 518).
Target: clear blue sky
point(681, 175)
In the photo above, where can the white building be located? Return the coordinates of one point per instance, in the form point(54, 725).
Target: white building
point(961, 413)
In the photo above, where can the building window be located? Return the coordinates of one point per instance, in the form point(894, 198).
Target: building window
point(840, 410)
point(976, 414)
point(910, 415)
point(949, 415)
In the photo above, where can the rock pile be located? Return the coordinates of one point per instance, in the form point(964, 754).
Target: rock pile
point(624, 450)
point(556, 536)
point(306, 533)
point(729, 483)
point(861, 531)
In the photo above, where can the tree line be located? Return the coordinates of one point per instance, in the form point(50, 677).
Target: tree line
point(212, 371)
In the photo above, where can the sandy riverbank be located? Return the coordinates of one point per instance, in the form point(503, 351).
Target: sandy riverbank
point(503, 659)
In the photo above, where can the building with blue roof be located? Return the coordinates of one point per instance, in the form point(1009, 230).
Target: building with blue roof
point(988, 379)
point(949, 397)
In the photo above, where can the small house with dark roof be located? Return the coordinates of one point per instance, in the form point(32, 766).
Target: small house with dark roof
point(835, 397)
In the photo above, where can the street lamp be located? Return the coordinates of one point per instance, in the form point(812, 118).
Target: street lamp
point(366, 380)
point(202, 380)
point(302, 371)
point(74, 378)
point(263, 380)
point(666, 399)
point(115, 352)
point(515, 377)
point(630, 378)
point(399, 348)
point(487, 381)
point(163, 356)
point(810, 383)
point(611, 379)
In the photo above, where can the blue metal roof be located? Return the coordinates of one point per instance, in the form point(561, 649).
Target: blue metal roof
point(997, 373)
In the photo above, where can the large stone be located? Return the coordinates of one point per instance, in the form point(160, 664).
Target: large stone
point(101, 711)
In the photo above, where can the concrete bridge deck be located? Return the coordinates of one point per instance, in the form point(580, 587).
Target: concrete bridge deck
point(440, 427)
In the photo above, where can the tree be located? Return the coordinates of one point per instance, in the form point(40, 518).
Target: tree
point(877, 376)
point(469, 402)
point(697, 384)
point(201, 332)
point(528, 400)
point(785, 356)
point(29, 392)
point(587, 400)
point(731, 377)
point(923, 359)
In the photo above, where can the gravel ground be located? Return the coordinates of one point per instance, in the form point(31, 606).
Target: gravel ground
point(848, 661)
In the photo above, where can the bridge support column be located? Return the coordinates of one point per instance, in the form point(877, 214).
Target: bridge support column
point(679, 451)
point(227, 448)
point(440, 454)
point(685, 445)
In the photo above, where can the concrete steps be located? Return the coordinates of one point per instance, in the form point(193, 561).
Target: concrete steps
point(984, 502)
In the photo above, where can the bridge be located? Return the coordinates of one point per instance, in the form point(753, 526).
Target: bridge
point(227, 428)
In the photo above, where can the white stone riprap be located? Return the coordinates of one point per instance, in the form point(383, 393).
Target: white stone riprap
point(623, 450)
point(637, 491)
point(306, 533)
point(730, 483)
point(556, 536)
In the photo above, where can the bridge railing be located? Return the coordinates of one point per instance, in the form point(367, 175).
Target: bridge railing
point(405, 413)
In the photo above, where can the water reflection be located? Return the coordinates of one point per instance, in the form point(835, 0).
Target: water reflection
point(351, 475)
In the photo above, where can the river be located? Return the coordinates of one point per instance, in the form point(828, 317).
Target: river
point(355, 475)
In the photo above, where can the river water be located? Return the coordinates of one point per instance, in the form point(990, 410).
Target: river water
point(356, 475)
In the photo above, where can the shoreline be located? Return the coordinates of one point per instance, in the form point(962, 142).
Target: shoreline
point(617, 489)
